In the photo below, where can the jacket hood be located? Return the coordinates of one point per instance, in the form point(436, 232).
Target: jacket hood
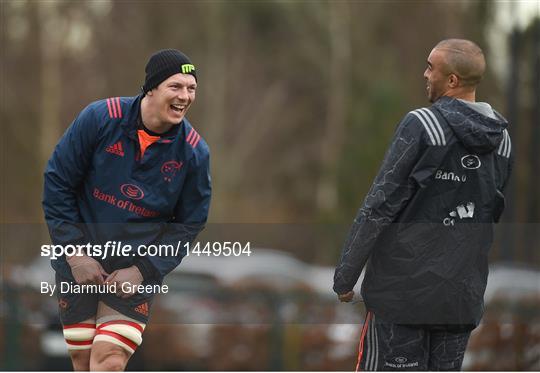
point(477, 132)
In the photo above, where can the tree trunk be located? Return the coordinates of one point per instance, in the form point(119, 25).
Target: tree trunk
point(334, 131)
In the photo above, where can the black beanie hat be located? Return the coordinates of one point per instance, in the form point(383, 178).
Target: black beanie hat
point(165, 63)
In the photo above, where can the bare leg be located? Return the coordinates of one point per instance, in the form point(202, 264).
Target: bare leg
point(109, 356)
point(81, 358)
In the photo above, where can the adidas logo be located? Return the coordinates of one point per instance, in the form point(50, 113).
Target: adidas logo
point(116, 149)
point(142, 309)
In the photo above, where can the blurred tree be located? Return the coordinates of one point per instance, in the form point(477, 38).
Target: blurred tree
point(51, 32)
point(337, 96)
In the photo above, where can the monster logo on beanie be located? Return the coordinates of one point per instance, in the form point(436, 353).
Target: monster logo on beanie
point(165, 63)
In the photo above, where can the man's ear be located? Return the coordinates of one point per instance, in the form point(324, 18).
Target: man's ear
point(150, 93)
point(453, 81)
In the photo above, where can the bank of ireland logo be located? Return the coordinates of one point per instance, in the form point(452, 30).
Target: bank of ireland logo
point(169, 169)
point(187, 68)
point(449, 176)
point(132, 191)
point(471, 162)
point(401, 360)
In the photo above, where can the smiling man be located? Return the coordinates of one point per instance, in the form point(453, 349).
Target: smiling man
point(426, 226)
point(131, 171)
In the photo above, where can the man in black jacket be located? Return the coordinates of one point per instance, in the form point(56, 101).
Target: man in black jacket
point(426, 225)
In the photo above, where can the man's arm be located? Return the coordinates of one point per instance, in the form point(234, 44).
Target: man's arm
point(389, 194)
point(191, 213)
point(500, 200)
point(63, 176)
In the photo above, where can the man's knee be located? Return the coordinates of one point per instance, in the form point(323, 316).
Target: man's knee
point(108, 357)
point(114, 343)
point(79, 339)
point(80, 359)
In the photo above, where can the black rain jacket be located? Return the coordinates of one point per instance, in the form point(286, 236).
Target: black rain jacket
point(426, 225)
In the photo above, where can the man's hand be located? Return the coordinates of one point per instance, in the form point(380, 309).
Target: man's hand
point(131, 275)
point(86, 270)
point(347, 297)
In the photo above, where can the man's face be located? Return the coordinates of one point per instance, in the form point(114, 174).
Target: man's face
point(173, 97)
point(436, 75)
